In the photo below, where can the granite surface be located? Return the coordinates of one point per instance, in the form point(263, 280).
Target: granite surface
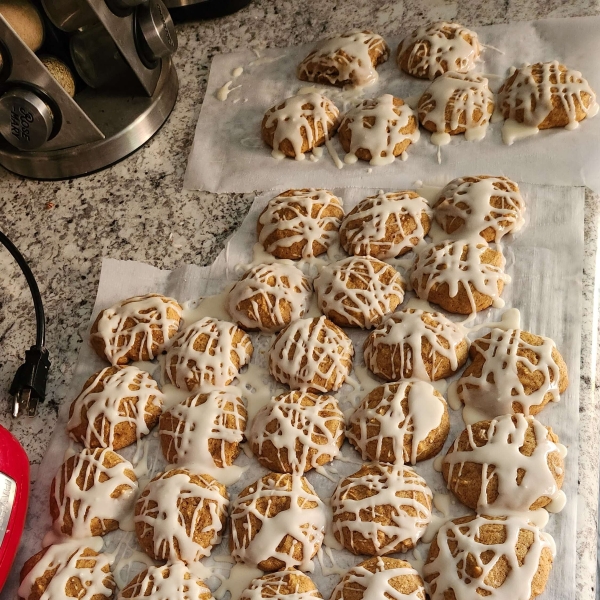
point(137, 210)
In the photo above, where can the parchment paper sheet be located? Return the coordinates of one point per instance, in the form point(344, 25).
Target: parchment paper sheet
point(545, 262)
point(228, 156)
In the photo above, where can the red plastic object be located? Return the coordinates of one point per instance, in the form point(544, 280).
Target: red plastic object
point(14, 495)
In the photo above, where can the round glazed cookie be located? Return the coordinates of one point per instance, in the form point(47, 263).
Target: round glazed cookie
point(400, 422)
point(457, 103)
point(138, 328)
point(359, 291)
point(513, 371)
point(209, 352)
point(180, 515)
point(277, 522)
point(378, 130)
point(482, 205)
point(297, 432)
point(312, 355)
point(434, 49)
point(299, 124)
point(288, 584)
point(386, 225)
point(67, 570)
point(414, 343)
point(168, 582)
point(380, 577)
point(381, 509)
point(511, 463)
point(463, 277)
point(546, 95)
point(300, 223)
point(501, 556)
point(91, 493)
point(204, 430)
point(347, 59)
point(116, 407)
point(269, 297)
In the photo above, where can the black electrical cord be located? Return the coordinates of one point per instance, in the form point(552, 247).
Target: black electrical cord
point(29, 385)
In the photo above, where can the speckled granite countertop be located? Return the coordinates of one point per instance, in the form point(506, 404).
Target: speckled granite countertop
point(137, 210)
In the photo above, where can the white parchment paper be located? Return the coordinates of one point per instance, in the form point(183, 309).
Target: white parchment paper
point(545, 262)
point(229, 156)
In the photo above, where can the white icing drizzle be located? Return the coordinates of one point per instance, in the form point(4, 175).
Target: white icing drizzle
point(390, 485)
point(437, 48)
point(469, 199)
point(379, 125)
point(149, 314)
point(65, 559)
point(470, 100)
point(123, 399)
point(305, 118)
point(345, 59)
point(460, 546)
point(275, 586)
point(498, 387)
point(366, 227)
point(275, 288)
point(355, 289)
point(294, 419)
point(387, 420)
point(108, 492)
point(501, 457)
point(524, 100)
point(313, 220)
point(240, 577)
point(158, 509)
point(310, 350)
point(188, 368)
point(404, 333)
point(303, 520)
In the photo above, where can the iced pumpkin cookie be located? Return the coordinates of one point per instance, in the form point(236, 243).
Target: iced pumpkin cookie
point(138, 328)
point(300, 223)
point(288, 584)
point(359, 291)
point(299, 124)
point(348, 59)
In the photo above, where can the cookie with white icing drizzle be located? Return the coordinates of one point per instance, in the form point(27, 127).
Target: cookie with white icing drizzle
point(204, 431)
point(289, 584)
point(349, 59)
point(172, 581)
point(299, 124)
point(400, 422)
point(180, 515)
point(456, 103)
point(312, 355)
point(414, 343)
point(386, 225)
point(359, 291)
point(297, 432)
point(378, 578)
point(462, 276)
point(300, 223)
point(492, 557)
point(378, 130)
point(481, 205)
point(546, 95)
point(277, 522)
point(92, 493)
point(513, 371)
point(508, 464)
point(138, 328)
point(210, 352)
point(116, 407)
point(269, 297)
point(67, 570)
point(434, 49)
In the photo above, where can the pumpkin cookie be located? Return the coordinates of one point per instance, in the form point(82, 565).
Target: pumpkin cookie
point(288, 584)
